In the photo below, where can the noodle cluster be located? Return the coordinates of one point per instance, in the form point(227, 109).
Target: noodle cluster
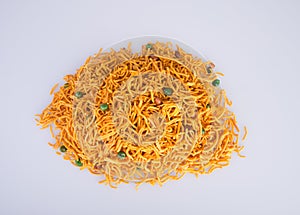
point(143, 117)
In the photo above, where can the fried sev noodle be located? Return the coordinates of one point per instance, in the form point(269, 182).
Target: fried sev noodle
point(144, 163)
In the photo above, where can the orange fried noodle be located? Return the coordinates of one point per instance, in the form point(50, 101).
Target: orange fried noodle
point(149, 116)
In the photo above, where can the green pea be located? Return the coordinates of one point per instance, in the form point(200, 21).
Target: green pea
point(216, 82)
point(104, 107)
point(78, 162)
point(63, 149)
point(78, 94)
point(149, 46)
point(167, 91)
point(121, 155)
point(208, 106)
point(203, 131)
point(208, 69)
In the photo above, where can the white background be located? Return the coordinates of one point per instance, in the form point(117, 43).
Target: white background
point(255, 43)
